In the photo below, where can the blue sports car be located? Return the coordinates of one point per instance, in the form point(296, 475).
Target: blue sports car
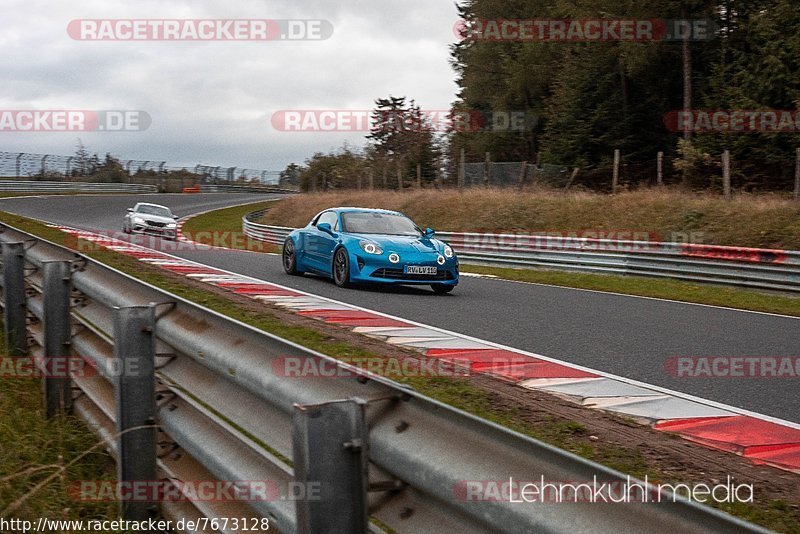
point(353, 245)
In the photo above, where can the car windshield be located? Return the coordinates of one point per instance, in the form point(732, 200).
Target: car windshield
point(154, 210)
point(368, 222)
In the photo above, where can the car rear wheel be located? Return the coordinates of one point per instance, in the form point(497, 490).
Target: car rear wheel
point(341, 268)
point(290, 259)
point(441, 289)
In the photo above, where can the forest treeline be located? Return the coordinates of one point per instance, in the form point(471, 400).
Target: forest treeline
point(583, 99)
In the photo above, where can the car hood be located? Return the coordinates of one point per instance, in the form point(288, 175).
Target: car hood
point(399, 243)
point(155, 218)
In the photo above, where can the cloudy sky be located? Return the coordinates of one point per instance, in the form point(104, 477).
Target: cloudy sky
point(212, 102)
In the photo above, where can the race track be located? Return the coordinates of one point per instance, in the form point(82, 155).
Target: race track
point(627, 336)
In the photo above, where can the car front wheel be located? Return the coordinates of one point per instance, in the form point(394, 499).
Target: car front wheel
point(341, 268)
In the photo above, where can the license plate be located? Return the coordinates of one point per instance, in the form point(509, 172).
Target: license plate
point(419, 269)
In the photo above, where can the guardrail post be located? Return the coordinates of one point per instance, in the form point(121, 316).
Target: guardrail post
point(14, 295)
point(57, 334)
point(134, 392)
point(330, 466)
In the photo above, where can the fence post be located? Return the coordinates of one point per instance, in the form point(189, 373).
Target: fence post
point(572, 178)
point(797, 175)
point(330, 444)
point(462, 170)
point(615, 177)
point(522, 172)
point(19, 157)
point(14, 311)
point(135, 405)
point(57, 335)
point(660, 168)
point(399, 177)
point(419, 175)
point(44, 162)
point(486, 162)
point(726, 173)
point(385, 176)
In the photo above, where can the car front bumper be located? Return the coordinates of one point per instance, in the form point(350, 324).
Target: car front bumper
point(169, 233)
point(377, 269)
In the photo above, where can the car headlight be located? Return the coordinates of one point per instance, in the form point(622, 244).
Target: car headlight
point(440, 260)
point(172, 225)
point(394, 257)
point(370, 247)
point(138, 220)
point(448, 252)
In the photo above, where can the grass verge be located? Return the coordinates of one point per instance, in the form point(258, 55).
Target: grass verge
point(743, 299)
point(223, 227)
point(36, 451)
point(765, 220)
point(563, 433)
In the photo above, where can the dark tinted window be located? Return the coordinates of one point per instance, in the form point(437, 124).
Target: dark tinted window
point(154, 210)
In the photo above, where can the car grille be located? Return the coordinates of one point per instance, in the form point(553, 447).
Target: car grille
point(156, 224)
point(398, 274)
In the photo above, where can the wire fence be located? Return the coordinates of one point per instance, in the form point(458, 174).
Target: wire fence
point(54, 167)
point(514, 174)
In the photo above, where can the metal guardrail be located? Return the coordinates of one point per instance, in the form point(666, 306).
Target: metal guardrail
point(236, 188)
point(24, 186)
point(198, 400)
point(736, 266)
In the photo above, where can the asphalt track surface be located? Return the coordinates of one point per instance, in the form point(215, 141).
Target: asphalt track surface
point(627, 336)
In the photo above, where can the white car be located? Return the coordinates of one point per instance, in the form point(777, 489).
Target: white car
point(151, 219)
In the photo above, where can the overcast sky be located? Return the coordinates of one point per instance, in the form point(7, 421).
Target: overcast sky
point(211, 102)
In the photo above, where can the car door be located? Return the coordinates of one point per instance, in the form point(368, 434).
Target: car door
point(319, 244)
point(327, 242)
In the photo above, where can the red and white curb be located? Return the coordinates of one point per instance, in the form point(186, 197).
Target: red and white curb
point(761, 439)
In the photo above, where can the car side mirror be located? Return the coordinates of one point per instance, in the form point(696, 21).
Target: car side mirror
point(429, 232)
point(130, 210)
point(175, 217)
point(325, 227)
